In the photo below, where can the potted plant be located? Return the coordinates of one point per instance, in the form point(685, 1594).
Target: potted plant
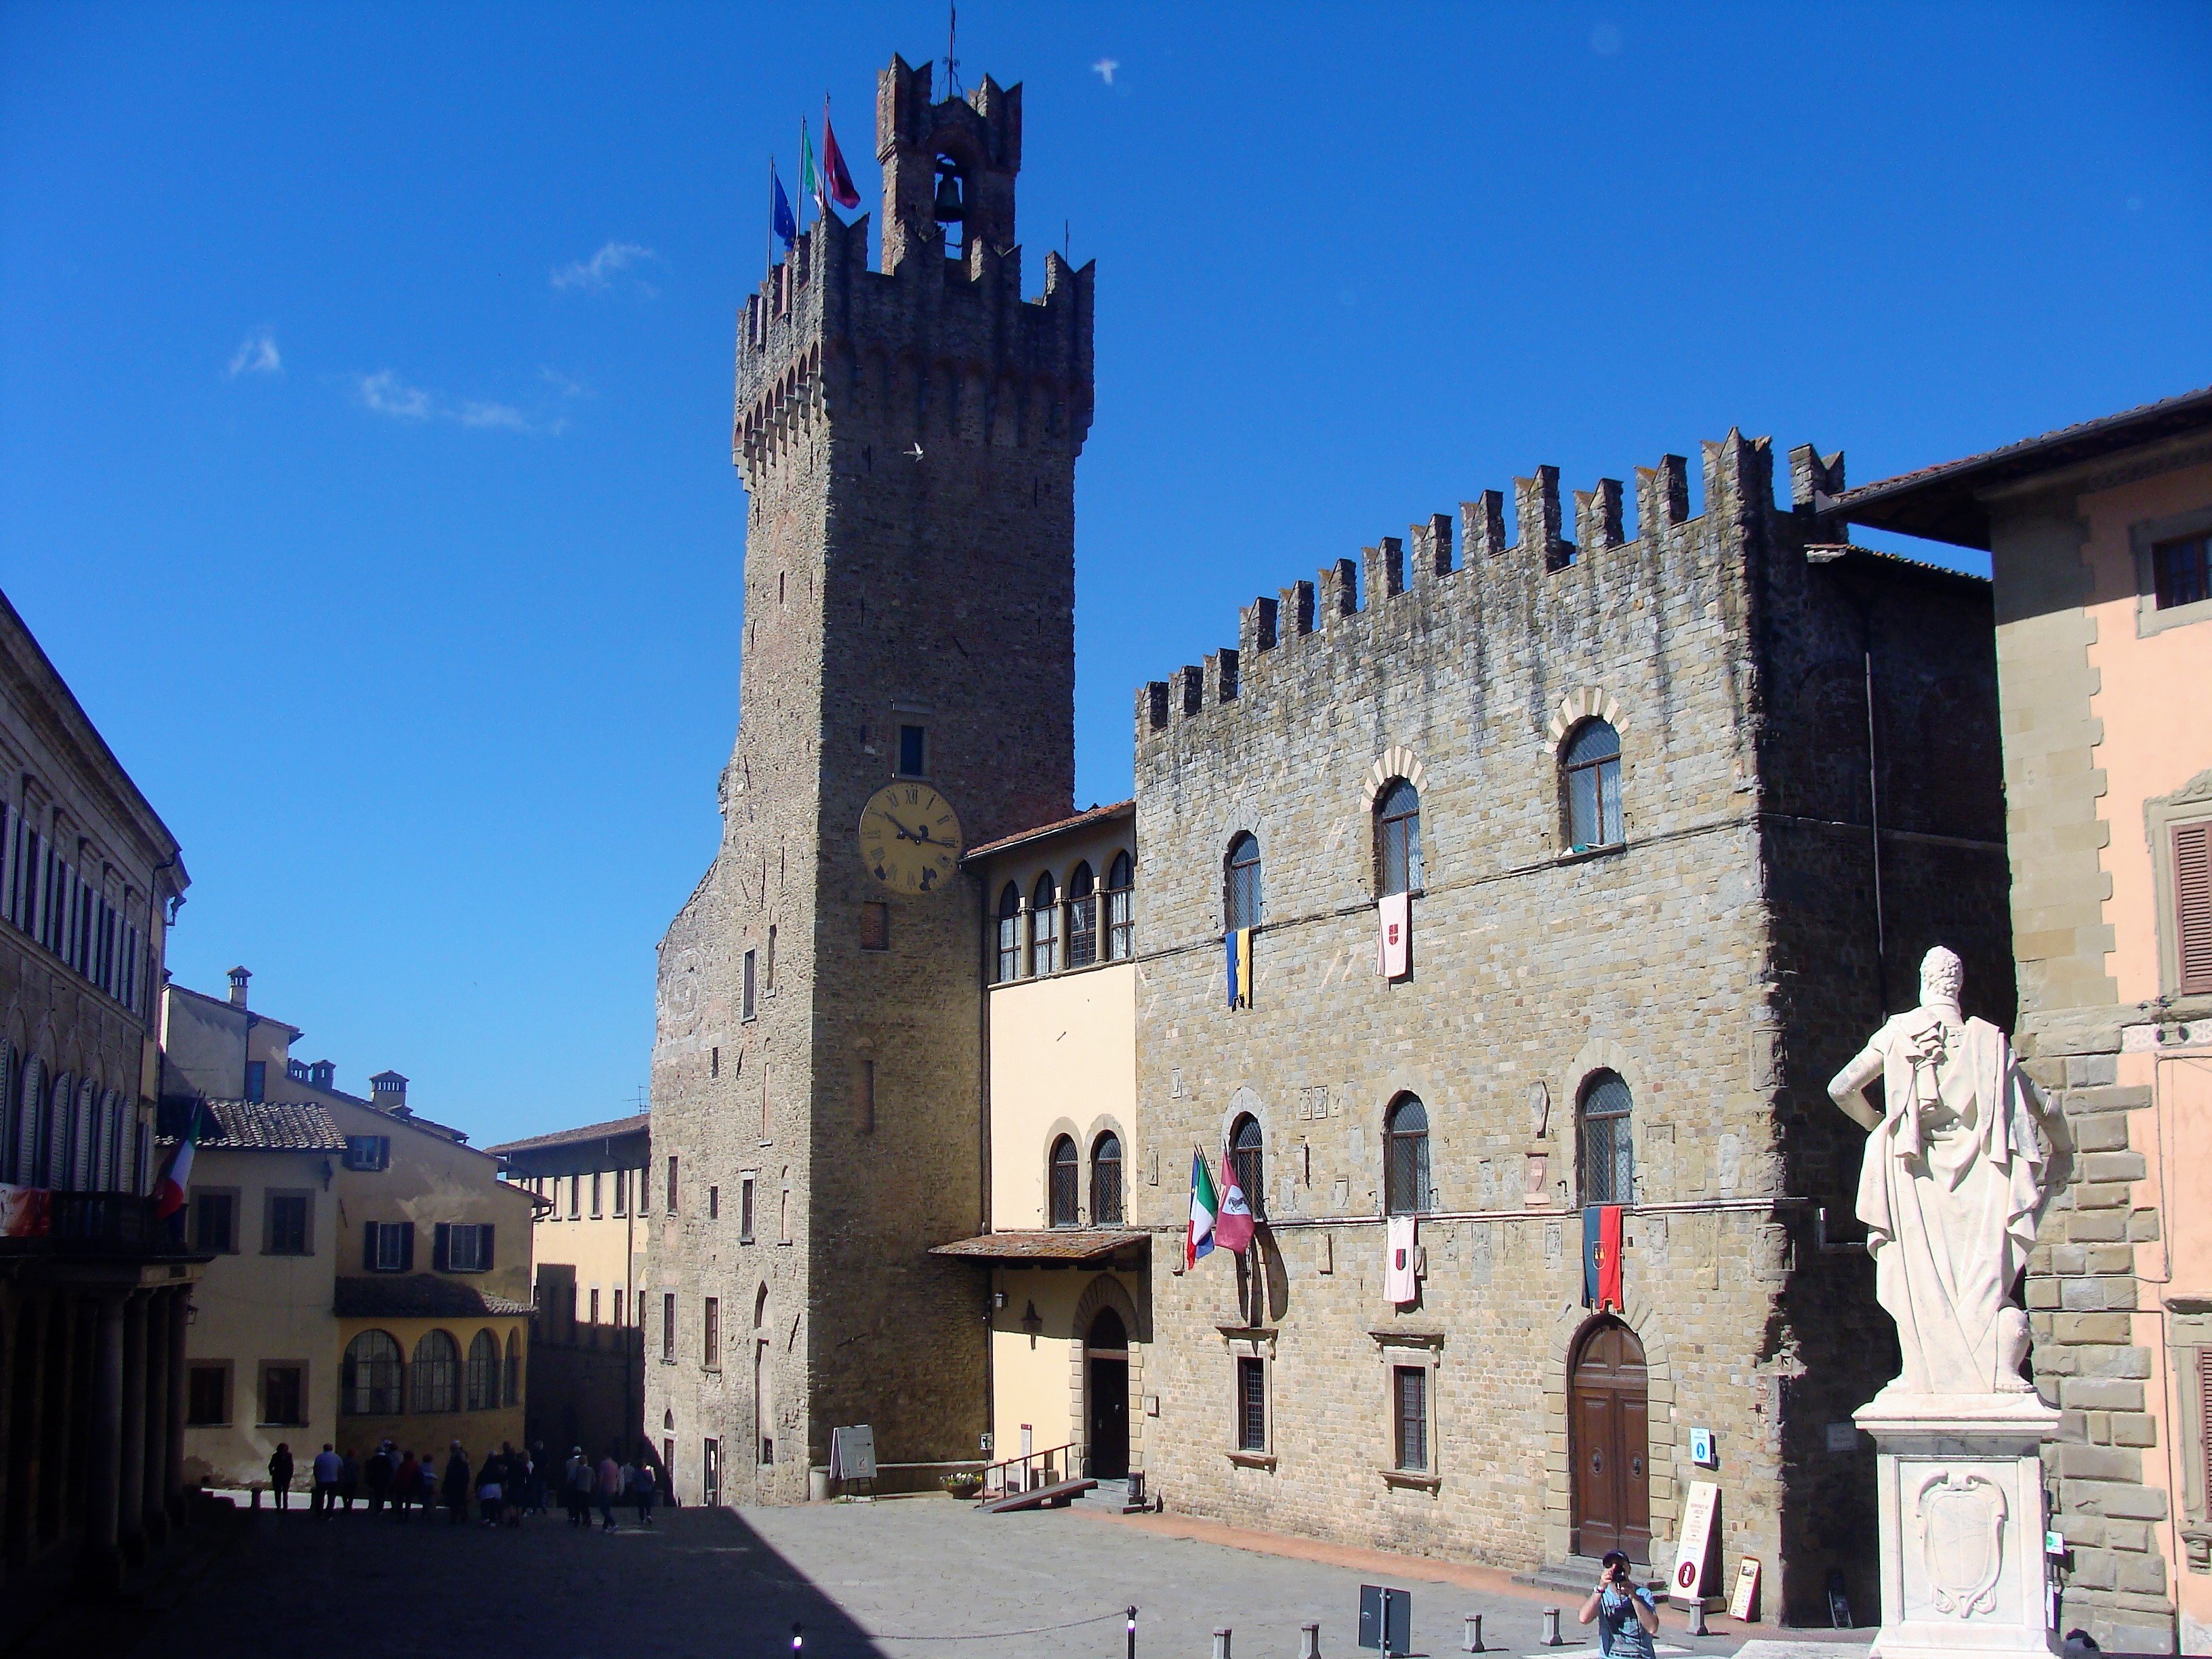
point(962, 1483)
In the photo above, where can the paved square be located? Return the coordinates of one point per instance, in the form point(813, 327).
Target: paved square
point(902, 1579)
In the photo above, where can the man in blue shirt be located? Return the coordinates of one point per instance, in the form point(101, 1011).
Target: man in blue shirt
point(1627, 1618)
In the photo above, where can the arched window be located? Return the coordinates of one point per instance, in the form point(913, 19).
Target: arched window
point(1406, 1165)
point(760, 1307)
point(1065, 1183)
point(1247, 1151)
point(1044, 926)
point(1106, 1180)
point(368, 1378)
point(483, 1372)
point(55, 1118)
point(1398, 838)
point(1009, 933)
point(512, 1392)
point(1591, 769)
point(1121, 912)
point(437, 1371)
point(1082, 917)
point(1241, 890)
point(1608, 1159)
point(29, 1098)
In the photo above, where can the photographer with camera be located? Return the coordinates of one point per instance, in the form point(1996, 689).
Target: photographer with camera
point(1628, 1617)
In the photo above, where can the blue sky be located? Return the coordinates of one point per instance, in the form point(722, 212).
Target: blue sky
point(364, 385)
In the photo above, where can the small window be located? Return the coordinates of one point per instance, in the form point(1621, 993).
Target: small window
point(1240, 895)
point(215, 1223)
point(1592, 772)
point(1064, 1177)
point(597, 1211)
point(710, 1472)
point(1252, 1405)
point(622, 1188)
point(1398, 838)
point(1082, 918)
point(257, 1079)
point(620, 1306)
point(1044, 926)
point(913, 752)
point(1406, 1174)
point(671, 1183)
point(1106, 1180)
point(575, 1197)
point(668, 1325)
point(1120, 911)
point(1609, 1164)
point(1409, 1410)
point(2181, 571)
point(595, 1308)
point(463, 1248)
point(750, 993)
point(283, 1395)
point(745, 1188)
point(388, 1247)
point(711, 1334)
point(284, 1226)
point(864, 1095)
point(207, 1395)
point(1248, 1153)
point(368, 1151)
point(713, 1203)
point(1009, 935)
point(875, 926)
point(2192, 906)
point(767, 966)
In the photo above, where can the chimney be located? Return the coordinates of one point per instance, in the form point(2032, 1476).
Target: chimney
point(323, 1074)
point(238, 978)
point(387, 1092)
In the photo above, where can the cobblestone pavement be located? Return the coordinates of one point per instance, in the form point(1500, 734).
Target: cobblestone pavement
point(905, 1579)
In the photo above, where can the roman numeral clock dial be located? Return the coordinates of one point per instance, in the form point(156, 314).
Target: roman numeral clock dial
point(910, 838)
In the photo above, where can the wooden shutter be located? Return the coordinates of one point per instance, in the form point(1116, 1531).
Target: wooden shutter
point(484, 1248)
point(406, 1245)
point(2193, 905)
point(442, 1247)
point(368, 1248)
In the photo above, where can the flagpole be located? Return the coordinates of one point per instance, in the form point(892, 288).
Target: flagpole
point(768, 260)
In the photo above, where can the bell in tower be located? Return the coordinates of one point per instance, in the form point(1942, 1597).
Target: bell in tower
point(946, 163)
point(951, 208)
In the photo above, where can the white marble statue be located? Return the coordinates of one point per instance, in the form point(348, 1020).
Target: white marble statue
point(1954, 1180)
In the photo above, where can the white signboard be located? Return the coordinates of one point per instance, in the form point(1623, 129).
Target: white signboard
point(1746, 1595)
point(1696, 1543)
point(853, 1453)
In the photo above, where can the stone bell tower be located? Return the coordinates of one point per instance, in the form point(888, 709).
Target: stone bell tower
point(907, 440)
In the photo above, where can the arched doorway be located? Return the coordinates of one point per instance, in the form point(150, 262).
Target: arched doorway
point(1106, 1368)
point(1608, 1416)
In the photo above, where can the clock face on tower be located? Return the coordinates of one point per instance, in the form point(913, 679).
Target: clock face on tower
point(910, 838)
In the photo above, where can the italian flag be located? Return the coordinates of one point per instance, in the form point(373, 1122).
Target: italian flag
point(169, 1191)
point(1204, 1206)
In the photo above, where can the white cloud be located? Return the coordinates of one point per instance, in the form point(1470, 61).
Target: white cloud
point(561, 384)
point(257, 354)
point(596, 275)
point(385, 393)
point(469, 412)
point(1104, 68)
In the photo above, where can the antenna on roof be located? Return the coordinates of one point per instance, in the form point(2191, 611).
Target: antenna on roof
point(951, 35)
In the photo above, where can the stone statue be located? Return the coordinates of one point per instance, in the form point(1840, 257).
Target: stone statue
point(1955, 1177)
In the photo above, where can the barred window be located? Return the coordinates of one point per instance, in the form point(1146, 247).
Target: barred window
point(2181, 571)
point(1064, 1183)
point(1609, 1164)
point(1044, 926)
point(1241, 889)
point(1251, 1404)
point(1405, 1177)
point(1106, 1180)
point(1398, 838)
point(1082, 918)
point(1008, 925)
point(369, 1379)
point(1248, 1159)
point(1120, 910)
point(484, 1377)
point(437, 1380)
point(1410, 1408)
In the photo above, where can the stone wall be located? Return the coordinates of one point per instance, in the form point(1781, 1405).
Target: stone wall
point(1670, 960)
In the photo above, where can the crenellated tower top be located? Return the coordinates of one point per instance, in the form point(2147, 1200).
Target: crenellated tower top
point(946, 164)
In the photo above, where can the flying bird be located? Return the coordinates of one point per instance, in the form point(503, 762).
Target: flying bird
point(915, 452)
point(1104, 68)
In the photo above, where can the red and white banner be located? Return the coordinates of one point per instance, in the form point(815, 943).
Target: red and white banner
point(1393, 936)
point(24, 1211)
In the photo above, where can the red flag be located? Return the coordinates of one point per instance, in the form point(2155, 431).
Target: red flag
point(835, 178)
point(1233, 1227)
point(1608, 1260)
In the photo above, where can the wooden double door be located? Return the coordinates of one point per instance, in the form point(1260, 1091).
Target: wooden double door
point(1609, 1436)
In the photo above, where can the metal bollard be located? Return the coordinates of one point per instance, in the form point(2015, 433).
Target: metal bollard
point(1472, 1641)
point(1552, 1628)
point(1221, 1644)
point(1698, 1618)
point(1310, 1642)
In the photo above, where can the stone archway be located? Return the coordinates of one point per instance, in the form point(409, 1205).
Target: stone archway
point(1105, 1291)
point(1641, 1319)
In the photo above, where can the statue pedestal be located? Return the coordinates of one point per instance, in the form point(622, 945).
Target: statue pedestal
point(1961, 1480)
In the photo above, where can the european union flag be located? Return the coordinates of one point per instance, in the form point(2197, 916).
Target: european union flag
point(781, 219)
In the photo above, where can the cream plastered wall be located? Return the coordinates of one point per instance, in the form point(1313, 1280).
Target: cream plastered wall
point(608, 1253)
point(1063, 1059)
point(431, 1179)
point(2153, 701)
point(480, 1432)
point(252, 1307)
point(1033, 1370)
